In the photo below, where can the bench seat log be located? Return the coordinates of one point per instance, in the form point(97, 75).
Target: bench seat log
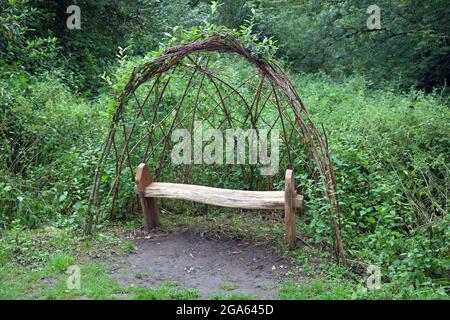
point(220, 197)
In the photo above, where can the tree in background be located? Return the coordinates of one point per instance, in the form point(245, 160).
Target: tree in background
point(19, 48)
point(412, 46)
point(39, 26)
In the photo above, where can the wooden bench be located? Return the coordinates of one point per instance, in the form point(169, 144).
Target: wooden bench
point(288, 199)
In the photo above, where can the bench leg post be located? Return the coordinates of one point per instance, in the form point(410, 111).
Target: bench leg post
point(150, 211)
point(149, 206)
point(290, 218)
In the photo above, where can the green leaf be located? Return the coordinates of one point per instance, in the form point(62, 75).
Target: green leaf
point(63, 197)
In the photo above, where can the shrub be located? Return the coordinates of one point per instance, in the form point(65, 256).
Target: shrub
point(390, 153)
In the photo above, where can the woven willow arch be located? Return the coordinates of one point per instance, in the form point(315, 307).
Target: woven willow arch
point(271, 78)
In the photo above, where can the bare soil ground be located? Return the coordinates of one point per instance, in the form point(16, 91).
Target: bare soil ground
point(211, 266)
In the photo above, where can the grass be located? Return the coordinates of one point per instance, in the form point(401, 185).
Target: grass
point(96, 283)
point(140, 275)
point(167, 291)
point(233, 296)
point(129, 247)
point(229, 286)
point(60, 262)
point(18, 283)
point(33, 264)
point(315, 290)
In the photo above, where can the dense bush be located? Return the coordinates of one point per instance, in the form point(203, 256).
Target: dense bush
point(49, 138)
point(390, 152)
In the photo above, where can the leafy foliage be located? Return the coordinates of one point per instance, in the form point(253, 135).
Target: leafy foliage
point(412, 47)
point(49, 141)
point(389, 141)
point(390, 153)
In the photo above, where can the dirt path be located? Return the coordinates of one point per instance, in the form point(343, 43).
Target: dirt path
point(210, 266)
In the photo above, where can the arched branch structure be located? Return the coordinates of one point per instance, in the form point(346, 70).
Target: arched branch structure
point(149, 109)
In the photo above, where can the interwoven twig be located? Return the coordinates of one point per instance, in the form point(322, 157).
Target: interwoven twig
point(269, 70)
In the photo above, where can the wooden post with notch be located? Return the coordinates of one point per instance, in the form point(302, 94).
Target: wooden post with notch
point(290, 218)
point(149, 206)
